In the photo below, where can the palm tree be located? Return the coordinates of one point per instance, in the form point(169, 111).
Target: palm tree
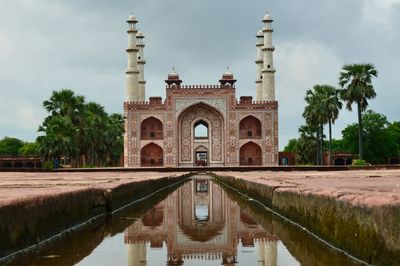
point(306, 144)
point(60, 138)
point(356, 83)
point(65, 103)
point(329, 106)
point(80, 130)
point(323, 107)
point(315, 117)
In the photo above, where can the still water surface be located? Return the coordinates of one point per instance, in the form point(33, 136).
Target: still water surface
point(200, 223)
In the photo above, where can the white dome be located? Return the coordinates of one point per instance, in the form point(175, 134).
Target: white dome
point(267, 17)
point(173, 73)
point(140, 34)
point(132, 18)
point(260, 33)
point(227, 73)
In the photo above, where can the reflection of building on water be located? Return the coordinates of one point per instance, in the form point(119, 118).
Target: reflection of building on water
point(198, 221)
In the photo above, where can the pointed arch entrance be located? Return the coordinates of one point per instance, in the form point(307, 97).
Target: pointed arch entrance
point(250, 154)
point(211, 141)
point(151, 155)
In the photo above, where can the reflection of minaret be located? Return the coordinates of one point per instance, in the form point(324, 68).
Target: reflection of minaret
point(268, 252)
point(137, 254)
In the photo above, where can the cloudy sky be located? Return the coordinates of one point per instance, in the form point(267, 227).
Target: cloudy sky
point(47, 45)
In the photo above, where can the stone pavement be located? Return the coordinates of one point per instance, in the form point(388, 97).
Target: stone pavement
point(22, 186)
point(359, 187)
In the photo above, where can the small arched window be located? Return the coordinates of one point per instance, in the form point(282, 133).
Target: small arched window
point(200, 130)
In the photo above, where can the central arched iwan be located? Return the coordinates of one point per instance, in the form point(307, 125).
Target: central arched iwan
point(186, 125)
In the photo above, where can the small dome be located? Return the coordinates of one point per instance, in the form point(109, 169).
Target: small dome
point(140, 34)
point(131, 18)
point(267, 17)
point(227, 75)
point(173, 74)
point(260, 33)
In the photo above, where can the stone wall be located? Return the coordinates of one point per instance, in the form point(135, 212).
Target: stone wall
point(370, 233)
point(27, 223)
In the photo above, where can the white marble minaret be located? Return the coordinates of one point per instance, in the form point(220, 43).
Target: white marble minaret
point(259, 64)
point(132, 72)
point(268, 71)
point(141, 62)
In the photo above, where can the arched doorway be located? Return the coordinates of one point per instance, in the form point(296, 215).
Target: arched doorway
point(250, 128)
point(200, 125)
point(201, 142)
point(201, 156)
point(250, 154)
point(151, 128)
point(151, 155)
point(339, 161)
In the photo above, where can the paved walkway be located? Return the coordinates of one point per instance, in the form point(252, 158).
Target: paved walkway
point(365, 187)
point(22, 186)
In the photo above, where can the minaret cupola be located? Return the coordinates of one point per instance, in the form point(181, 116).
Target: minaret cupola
point(227, 78)
point(173, 79)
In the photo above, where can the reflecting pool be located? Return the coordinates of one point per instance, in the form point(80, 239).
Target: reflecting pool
point(199, 223)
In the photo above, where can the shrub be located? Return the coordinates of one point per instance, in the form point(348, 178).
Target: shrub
point(359, 162)
point(48, 165)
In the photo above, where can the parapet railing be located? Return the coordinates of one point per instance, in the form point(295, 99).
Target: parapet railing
point(238, 102)
point(208, 86)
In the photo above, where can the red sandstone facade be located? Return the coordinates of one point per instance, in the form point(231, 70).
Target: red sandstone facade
point(162, 133)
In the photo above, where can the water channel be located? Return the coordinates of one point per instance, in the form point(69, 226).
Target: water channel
point(199, 222)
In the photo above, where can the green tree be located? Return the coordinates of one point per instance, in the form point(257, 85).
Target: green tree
point(356, 83)
point(80, 130)
point(29, 148)
point(322, 107)
point(65, 103)
point(338, 146)
point(115, 138)
point(10, 146)
point(314, 119)
point(94, 131)
point(306, 145)
point(394, 130)
point(292, 146)
point(380, 138)
point(60, 137)
point(350, 138)
point(330, 106)
point(61, 127)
